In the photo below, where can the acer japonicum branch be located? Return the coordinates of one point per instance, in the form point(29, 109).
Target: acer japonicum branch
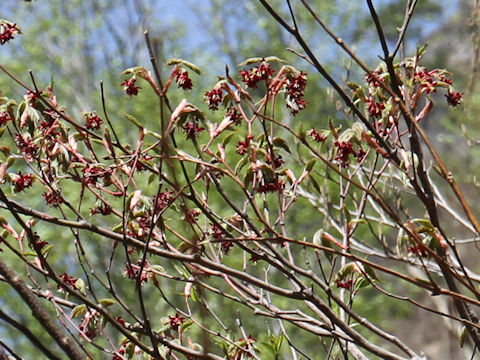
point(207, 204)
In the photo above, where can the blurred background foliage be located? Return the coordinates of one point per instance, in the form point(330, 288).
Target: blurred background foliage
point(79, 43)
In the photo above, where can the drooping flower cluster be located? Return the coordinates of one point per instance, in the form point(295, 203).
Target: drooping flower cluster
point(26, 146)
point(374, 108)
point(23, 181)
point(344, 284)
point(295, 88)
point(270, 185)
point(129, 87)
point(317, 135)
point(454, 97)
point(183, 80)
point(7, 32)
point(163, 200)
point(92, 174)
point(234, 115)
point(242, 146)
point(92, 120)
point(256, 74)
point(52, 198)
point(132, 270)
point(176, 321)
point(68, 280)
point(4, 118)
point(344, 150)
point(371, 79)
point(213, 98)
point(102, 209)
point(192, 130)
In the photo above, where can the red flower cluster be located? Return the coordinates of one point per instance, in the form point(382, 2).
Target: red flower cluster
point(7, 32)
point(23, 181)
point(183, 80)
point(454, 98)
point(26, 146)
point(192, 129)
point(52, 198)
point(94, 173)
point(92, 120)
point(271, 185)
point(317, 135)
point(418, 250)
point(176, 321)
point(295, 88)
point(4, 118)
point(191, 215)
point(164, 200)
point(234, 115)
point(258, 73)
point(374, 108)
point(131, 271)
point(68, 280)
point(344, 284)
point(344, 149)
point(213, 98)
point(242, 146)
point(371, 80)
point(129, 87)
point(429, 80)
point(102, 209)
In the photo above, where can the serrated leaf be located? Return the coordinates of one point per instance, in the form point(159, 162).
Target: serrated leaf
point(106, 302)
point(186, 63)
point(248, 178)
point(78, 310)
point(267, 171)
point(228, 138)
point(281, 143)
point(186, 325)
point(370, 272)
point(80, 285)
point(310, 165)
point(47, 249)
point(345, 271)
point(463, 336)
point(317, 237)
point(133, 120)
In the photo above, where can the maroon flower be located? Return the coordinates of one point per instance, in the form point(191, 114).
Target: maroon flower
point(23, 181)
point(213, 98)
point(258, 73)
point(52, 198)
point(176, 321)
point(192, 129)
point(191, 215)
point(26, 146)
point(344, 149)
point(4, 118)
point(317, 135)
point(7, 32)
point(418, 250)
point(132, 270)
point(374, 108)
point(295, 88)
point(427, 79)
point(129, 87)
point(183, 80)
point(371, 80)
point(275, 161)
point(68, 280)
point(164, 200)
point(344, 284)
point(102, 209)
point(234, 115)
point(93, 174)
point(225, 246)
point(92, 120)
point(454, 97)
point(242, 146)
point(271, 185)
